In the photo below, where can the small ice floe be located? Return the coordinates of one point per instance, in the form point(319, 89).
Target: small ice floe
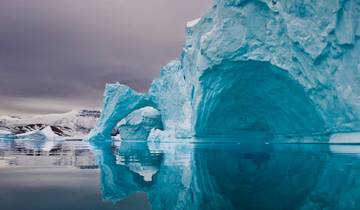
point(345, 138)
point(345, 143)
point(45, 133)
point(5, 134)
point(345, 149)
point(39, 140)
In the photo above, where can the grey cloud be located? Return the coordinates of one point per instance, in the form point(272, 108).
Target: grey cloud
point(68, 50)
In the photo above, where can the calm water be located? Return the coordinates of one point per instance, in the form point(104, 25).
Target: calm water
point(164, 176)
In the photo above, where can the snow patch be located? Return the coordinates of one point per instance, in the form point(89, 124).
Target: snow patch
point(192, 23)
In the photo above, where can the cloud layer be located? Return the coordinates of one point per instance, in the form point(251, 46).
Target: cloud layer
point(58, 55)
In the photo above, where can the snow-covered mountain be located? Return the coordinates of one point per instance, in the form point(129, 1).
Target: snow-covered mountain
point(73, 123)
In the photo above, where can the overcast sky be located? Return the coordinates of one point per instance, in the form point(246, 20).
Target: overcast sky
point(56, 55)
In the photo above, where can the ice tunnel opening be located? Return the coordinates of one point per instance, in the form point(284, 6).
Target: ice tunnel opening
point(237, 98)
point(138, 124)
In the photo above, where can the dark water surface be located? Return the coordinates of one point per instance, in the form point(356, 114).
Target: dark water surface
point(209, 175)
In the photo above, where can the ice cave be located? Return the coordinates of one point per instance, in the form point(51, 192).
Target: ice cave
point(255, 97)
point(277, 67)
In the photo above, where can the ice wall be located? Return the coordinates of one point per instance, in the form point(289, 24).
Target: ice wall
point(279, 66)
point(170, 95)
point(282, 66)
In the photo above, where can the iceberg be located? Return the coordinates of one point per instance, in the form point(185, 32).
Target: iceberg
point(39, 140)
point(138, 124)
point(283, 67)
point(119, 101)
point(45, 133)
point(6, 134)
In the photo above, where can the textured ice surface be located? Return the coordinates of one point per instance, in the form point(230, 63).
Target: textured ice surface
point(156, 135)
point(119, 101)
point(138, 124)
point(281, 67)
point(169, 95)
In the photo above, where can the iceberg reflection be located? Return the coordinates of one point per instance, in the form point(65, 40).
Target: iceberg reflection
point(230, 175)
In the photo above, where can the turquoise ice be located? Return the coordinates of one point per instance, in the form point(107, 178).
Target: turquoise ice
point(235, 176)
point(139, 123)
point(279, 67)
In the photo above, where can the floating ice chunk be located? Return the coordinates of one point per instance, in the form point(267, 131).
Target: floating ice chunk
point(37, 134)
point(345, 143)
point(3, 132)
point(46, 134)
point(137, 125)
point(345, 149)
point(345, 138)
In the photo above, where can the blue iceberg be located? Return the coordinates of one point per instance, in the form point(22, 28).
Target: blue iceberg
point(283, 67)
point(138, 124)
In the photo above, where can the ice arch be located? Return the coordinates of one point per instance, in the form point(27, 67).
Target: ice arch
point(119, 101)
point(238, 97)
